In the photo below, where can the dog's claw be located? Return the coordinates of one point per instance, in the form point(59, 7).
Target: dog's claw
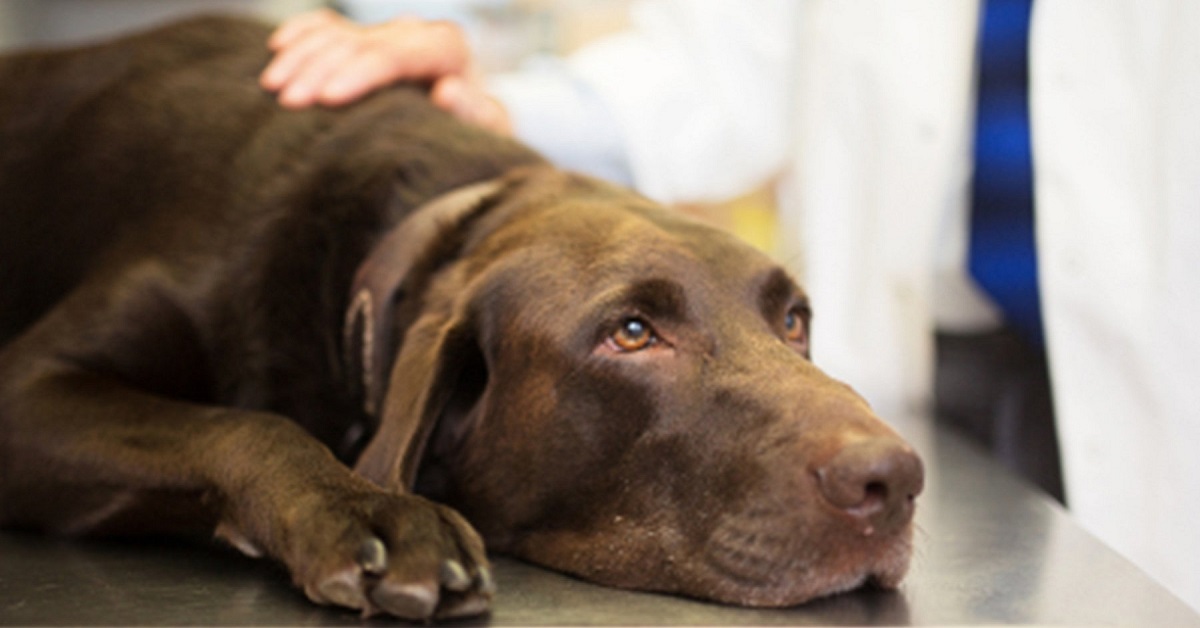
point(373, 557)
point(454, 576)
point(464, 596)
point(486, 583)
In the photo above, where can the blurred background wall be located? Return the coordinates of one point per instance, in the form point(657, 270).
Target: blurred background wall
point(54, 22)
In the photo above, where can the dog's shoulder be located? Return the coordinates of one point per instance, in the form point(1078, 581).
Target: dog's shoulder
point(163, 145)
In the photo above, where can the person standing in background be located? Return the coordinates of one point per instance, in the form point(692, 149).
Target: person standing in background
point(862, 112)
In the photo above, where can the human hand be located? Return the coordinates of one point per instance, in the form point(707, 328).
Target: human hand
point(321, 58)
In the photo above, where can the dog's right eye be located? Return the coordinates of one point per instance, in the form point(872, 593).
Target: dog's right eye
point(633, 334)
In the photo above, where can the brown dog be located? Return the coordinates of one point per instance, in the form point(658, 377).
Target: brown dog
point(208, 300)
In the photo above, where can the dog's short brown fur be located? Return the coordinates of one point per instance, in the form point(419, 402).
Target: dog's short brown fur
point(192, 338)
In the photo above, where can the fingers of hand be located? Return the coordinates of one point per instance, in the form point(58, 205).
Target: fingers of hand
point(297, 26)
point(467, 101)
point(324, 58)
point(308, 58)
point(366, 70)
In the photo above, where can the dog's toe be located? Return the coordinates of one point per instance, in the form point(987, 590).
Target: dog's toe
point(469, 604)
point(395, 554)
point(406, 600)
point(456, 593)
point(341, 589)
point(464, 594)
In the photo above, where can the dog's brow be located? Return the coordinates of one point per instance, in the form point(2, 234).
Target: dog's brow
point(662, 298)
point(655, 297)
point(777, 292)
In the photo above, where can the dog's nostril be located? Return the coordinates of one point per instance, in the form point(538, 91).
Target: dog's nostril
point(875, 492)
point(875, 480)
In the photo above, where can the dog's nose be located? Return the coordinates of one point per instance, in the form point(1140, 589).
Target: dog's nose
point(875, 481)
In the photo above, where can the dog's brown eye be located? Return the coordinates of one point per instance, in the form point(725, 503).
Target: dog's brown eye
point(793, 326)
point(634, 334)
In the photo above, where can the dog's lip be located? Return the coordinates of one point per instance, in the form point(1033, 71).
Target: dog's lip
point(658, 558)
point(807, 586)
point(880, 560)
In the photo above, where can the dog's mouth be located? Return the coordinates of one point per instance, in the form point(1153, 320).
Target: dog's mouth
point(772, 569)
point(742, 562)
point(781, 539)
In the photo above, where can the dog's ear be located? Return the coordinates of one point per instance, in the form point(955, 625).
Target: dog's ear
point(439, 372)
point(438, 377)
point(380, 286)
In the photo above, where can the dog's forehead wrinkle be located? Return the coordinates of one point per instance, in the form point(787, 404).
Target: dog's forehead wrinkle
point(597, 224)
point(619, 237)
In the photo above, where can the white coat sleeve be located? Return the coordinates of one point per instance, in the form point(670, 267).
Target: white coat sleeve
point(691, 103)
point(555, 112)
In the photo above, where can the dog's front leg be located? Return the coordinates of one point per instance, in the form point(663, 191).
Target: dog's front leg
point(82, 452)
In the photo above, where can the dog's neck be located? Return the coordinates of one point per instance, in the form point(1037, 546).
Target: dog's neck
point(381, 282)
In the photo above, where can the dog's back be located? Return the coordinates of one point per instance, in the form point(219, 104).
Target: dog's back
point(170, 127)
point(63, 204)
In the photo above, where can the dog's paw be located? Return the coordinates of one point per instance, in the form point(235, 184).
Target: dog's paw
point(389, 553)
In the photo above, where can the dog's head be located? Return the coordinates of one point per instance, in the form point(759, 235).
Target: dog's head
point(612, 390)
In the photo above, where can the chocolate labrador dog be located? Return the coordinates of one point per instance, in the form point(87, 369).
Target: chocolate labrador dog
point(366, 342)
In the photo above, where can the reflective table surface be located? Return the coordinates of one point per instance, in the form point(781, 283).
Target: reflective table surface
point(990, 550)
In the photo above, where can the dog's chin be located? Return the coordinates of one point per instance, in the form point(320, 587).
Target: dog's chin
point(745, 571)
point(750, 576)
point(781, 582)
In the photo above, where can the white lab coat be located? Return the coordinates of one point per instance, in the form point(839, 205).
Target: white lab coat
point(862, 112)
point(1116, 117)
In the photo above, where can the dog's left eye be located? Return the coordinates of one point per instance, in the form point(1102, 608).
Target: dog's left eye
point(793, 326)
point(794, 329)
point(633, 334)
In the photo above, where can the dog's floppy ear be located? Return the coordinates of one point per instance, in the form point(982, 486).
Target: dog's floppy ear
point(439, 370)
point(380, 287)
point(438, 347)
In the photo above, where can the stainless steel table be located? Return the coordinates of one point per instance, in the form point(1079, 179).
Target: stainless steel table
point(990, 550)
